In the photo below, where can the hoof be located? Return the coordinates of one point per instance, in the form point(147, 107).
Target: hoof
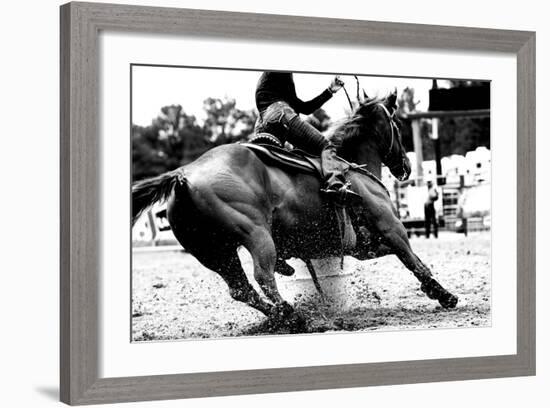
point(297, 323)
point(282, 268)
point(284, 309)
point(448, 302)
point(430, 289)
point(435, 291)
point(285, 318)
point(281, 313)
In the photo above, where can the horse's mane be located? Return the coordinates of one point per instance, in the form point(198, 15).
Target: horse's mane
point(346, 132)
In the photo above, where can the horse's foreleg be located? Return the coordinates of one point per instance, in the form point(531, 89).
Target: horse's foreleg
point(396, 239)
point(314, 278)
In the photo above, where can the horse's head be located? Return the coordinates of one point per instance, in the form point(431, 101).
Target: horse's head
point(376, 120)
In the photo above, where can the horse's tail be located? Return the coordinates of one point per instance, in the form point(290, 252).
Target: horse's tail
point(147, 192)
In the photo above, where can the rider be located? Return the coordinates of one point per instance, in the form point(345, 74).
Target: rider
point(279, 108)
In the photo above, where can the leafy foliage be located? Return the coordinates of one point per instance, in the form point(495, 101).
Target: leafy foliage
point(225, 123)
point(175, 138)
point(320, 120)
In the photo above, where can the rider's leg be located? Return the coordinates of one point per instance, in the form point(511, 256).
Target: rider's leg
point(334, 176)
point(304, 136)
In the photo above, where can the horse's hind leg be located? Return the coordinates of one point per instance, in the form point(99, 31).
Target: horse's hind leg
point(228, 266)
point(262, 249)
point(264, 256)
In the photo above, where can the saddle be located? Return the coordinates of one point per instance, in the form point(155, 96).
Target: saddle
point(270, 151)
point(290, 160)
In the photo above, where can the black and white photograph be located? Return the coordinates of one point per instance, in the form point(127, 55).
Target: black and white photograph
point(286, 203)
point(275, 204)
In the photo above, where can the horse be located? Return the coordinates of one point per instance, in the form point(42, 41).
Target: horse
point(229, 197)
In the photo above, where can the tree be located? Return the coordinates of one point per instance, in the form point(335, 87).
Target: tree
point(175, 138)
point(320, 120)
point(225, 123)
point(172, 139)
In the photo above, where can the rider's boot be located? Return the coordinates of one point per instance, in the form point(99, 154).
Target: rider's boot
point(336, 185)
point(280, 119)
point(306, 137)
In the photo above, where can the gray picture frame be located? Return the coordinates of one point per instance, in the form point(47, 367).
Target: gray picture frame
point(80, 191)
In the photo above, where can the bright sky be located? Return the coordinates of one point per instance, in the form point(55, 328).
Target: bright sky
point(155, 87)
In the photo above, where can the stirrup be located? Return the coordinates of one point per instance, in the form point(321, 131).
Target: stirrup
point(342, 196)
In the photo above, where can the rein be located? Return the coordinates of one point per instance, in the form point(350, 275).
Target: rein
point(388, 115)
point(390, 119)
point(347, 96)
point(392, 125)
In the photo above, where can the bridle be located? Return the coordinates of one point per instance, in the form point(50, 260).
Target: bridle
point(389, 115)
point(392, 125)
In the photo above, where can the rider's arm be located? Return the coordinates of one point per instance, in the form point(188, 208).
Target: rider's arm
point(311, 106)
point(308, 107)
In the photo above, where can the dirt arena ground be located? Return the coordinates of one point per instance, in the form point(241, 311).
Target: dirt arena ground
point(174, 297)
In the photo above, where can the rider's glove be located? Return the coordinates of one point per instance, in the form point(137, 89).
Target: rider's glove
point(336, 84)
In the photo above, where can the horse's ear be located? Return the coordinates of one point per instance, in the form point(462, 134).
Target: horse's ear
point(365, 96)
point(391, 100)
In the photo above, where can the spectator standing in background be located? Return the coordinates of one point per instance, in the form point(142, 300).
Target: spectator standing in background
point(429, 209)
